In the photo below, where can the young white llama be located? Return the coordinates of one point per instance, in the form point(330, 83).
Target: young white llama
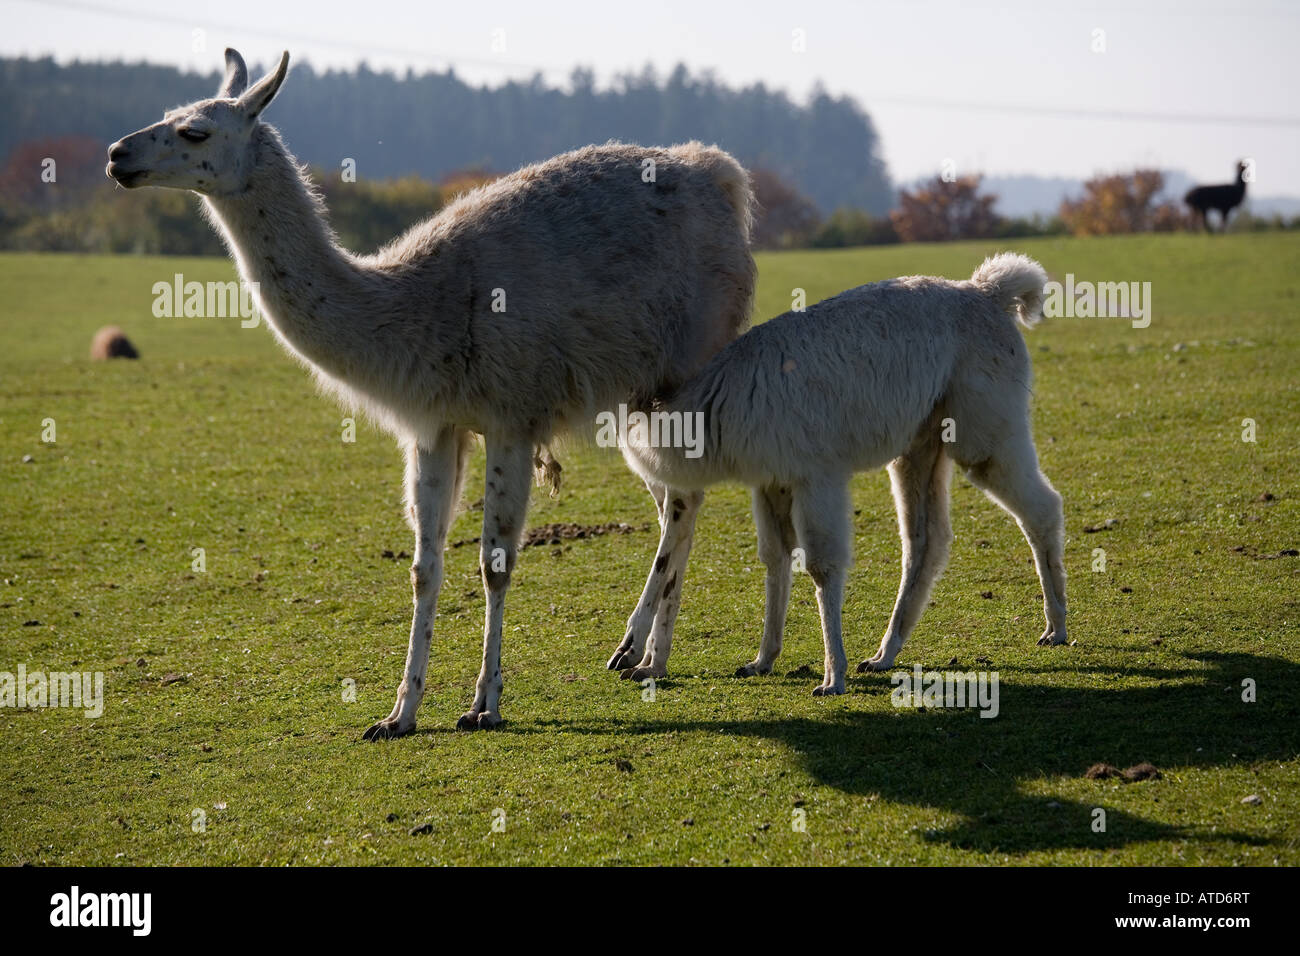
point(916, 372)
point(608, 274)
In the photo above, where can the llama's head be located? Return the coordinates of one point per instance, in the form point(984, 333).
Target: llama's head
point(206, 146)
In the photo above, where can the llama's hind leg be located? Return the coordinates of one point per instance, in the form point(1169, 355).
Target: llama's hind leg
point(820, 514)
point(433, 479)
point(776, 542)
point(682, 510)
point(505, 504)
point(920, 481)
point(1011, 477)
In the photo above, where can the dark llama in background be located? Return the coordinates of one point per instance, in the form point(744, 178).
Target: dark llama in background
point(1224, 198)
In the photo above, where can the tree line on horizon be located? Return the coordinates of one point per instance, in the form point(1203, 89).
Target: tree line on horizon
point(433, 124)
point(418, 141)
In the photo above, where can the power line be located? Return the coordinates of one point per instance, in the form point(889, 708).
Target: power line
point(1079, 113)
point(1023, 109)
point(316, 39)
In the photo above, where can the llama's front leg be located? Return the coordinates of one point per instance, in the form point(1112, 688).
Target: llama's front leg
point(505, 504)
point(776, 543)
point(632, 648)
point(683, 507)
point(830, 605)
point(820, 514)
point(433, 478)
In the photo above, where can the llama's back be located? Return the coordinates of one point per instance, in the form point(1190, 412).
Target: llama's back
point(846, 384)
point(582, 284)
point(1224, 197)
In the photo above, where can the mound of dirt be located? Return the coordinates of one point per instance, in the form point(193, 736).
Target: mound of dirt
point(111, 342)
point(1141, 771)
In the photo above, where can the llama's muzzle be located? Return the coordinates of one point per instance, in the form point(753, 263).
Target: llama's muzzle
point(117, 155)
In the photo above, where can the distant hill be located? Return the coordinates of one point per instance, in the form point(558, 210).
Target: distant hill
point(1024, 196)
point(434, 124)
point(1286, 206)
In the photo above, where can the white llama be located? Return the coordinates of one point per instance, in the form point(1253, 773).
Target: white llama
point(605, 275)
point(915, 372)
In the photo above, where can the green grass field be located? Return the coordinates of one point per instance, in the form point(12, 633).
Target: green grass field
point(224, 690)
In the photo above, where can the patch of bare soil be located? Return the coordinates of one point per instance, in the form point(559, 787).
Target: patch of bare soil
point(553, 534)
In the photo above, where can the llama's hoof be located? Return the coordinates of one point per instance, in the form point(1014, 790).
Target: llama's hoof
point(639, 674)
point(388, 729)
point(828, 690)
point(479, 720)
point(753, 669)
point(876, 663)
point(1051, 639)
point(623, 659)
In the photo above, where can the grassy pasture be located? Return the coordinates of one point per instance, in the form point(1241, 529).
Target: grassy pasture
point(224, 690)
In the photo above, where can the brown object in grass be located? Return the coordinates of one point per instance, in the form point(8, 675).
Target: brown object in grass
point(1101, 771)
point(111, 342)
point(1141, 771)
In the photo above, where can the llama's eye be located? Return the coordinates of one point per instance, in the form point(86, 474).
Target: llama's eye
point(192, 134)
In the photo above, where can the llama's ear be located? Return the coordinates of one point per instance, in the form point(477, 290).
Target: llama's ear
point(236, 80)
point(259, 96)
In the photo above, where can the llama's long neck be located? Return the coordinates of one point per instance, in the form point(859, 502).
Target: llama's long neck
point(317, 297)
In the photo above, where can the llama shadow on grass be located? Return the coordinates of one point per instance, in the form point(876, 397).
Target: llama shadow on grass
point(1192, 717)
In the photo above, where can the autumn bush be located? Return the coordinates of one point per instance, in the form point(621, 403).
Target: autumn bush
point(943, 209)
point(1122, 203)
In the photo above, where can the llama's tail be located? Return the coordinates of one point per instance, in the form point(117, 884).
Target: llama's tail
point(1015, 283)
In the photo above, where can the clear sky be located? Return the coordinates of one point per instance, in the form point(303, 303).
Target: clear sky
point(1018, 86)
